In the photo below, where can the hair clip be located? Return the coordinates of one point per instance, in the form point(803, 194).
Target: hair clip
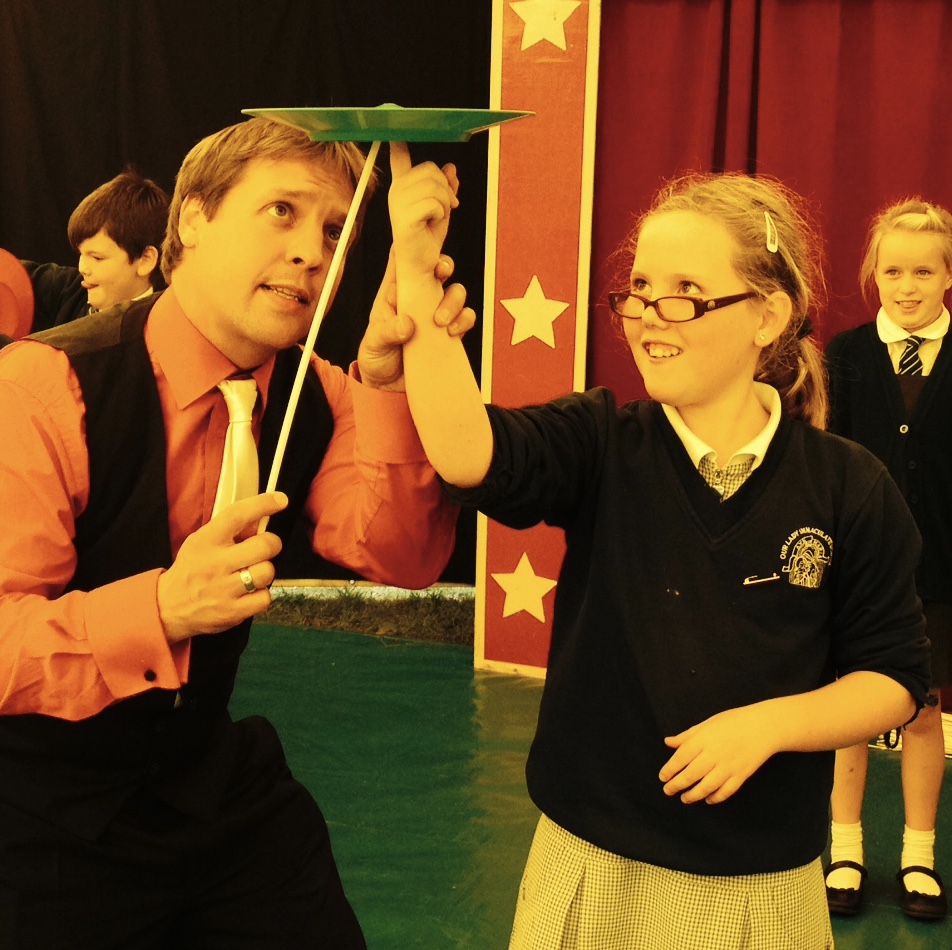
point(773, 240)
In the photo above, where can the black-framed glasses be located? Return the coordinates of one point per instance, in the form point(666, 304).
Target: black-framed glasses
point(630, 306)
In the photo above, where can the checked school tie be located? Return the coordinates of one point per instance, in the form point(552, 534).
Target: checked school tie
point(910, 363)
point(725, 481)
point(239, 464)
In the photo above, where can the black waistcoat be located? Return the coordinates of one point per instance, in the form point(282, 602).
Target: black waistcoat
point(78, 774)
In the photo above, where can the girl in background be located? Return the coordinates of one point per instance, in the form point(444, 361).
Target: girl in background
point(891, 389)
point(725, 614)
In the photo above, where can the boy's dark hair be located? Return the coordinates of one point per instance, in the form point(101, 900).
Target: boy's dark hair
point(132, 210)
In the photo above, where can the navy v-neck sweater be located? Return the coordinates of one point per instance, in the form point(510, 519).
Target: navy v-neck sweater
point(672, 605)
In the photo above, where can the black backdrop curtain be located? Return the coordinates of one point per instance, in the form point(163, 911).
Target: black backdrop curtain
point(847, 100)
point(86, 88)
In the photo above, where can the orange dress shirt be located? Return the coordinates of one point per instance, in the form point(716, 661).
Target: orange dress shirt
point(376, 502)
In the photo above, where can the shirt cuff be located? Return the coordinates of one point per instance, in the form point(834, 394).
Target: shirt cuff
point(128, 640)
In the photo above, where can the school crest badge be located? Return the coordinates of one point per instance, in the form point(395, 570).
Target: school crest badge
point(807, 554)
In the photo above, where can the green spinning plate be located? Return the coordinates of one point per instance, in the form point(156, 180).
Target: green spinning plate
point(389, 123)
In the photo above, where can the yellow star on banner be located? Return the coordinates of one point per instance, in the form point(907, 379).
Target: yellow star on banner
point(544, 20)
point(524, 590)
point(533, 314)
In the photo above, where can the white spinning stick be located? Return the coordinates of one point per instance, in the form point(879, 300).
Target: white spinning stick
point(322, 304)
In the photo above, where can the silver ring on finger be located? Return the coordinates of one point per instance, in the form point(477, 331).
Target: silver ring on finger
point(247, 580)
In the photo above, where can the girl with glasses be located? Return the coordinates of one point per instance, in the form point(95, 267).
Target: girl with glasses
point(891, 389)
point(711, 642)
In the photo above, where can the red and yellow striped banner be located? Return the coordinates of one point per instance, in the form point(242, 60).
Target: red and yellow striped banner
point(545, 59)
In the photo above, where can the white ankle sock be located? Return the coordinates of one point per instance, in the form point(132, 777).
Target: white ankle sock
point(918, 848)
point(846, 845)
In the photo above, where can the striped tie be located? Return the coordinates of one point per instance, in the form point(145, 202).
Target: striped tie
point(910, 363)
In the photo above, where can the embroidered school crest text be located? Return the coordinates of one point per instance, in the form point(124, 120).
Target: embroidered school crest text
point(807, 552)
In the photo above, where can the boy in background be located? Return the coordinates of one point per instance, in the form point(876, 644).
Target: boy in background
point(117, 230)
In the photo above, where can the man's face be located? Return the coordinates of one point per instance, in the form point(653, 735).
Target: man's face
point(108, 275)
point(251, 276)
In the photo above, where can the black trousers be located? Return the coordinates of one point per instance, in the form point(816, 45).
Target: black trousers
point(260, 875)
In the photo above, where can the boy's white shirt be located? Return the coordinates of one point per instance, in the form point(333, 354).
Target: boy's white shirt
point(145, 293)
point(697, 448)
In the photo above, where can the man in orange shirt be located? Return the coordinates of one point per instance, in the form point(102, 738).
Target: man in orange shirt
point(133, 811)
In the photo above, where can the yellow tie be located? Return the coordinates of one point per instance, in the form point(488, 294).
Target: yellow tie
point(239, 464)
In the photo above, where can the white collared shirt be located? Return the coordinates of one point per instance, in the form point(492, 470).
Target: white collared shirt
point(894, 336)
point(756, 449)
point(142, 296)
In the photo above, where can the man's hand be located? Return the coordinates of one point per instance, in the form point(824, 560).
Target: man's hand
point(380, 356)
point(204, 591)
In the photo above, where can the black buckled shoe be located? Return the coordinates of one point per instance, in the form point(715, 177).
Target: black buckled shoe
point(922, 906)
point(845, 901)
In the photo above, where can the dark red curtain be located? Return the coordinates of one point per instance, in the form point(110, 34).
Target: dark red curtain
point(848, 101)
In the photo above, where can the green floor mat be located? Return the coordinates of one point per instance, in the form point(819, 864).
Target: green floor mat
point(417, 762)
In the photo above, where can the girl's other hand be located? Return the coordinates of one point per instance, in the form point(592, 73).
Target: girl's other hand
point(715, 757)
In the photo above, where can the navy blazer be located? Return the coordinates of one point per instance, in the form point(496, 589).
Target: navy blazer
point(867, 406)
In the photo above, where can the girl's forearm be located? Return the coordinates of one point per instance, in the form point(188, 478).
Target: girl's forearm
point(852, 709)
point(444, 398)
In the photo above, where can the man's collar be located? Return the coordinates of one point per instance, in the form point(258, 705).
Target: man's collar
point(192, 365)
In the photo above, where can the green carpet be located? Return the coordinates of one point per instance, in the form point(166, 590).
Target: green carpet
point(417, 762)
point(882, 925)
